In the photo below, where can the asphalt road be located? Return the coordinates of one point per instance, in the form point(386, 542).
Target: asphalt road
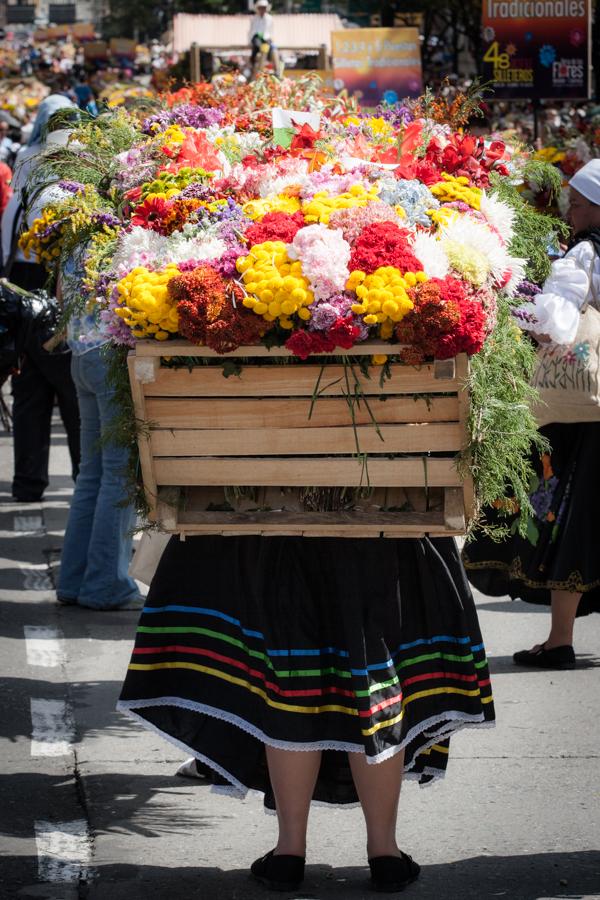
point(90, 807)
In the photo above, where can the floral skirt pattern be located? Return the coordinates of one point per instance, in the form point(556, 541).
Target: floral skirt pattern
point(561, 550)
point(339, 645)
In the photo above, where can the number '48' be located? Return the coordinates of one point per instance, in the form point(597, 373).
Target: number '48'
point(498, 60)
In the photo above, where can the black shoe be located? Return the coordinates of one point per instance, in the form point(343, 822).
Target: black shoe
point(391, 874)
point(66, 601)
point(279, 873)
point(554, 658)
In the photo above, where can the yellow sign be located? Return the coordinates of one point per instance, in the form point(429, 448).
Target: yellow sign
point(378, 64)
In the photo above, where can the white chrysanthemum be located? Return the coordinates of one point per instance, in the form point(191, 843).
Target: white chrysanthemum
point(476, 252)
point(500, 216)
point(180, 247)
point(430, 252)
point(137, 247)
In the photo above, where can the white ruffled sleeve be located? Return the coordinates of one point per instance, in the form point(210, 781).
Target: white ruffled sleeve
point(565, 291)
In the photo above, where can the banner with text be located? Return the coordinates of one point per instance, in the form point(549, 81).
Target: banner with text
point(537, 49)
point(377, 64)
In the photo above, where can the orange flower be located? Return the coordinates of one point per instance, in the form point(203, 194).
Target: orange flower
point(546, 467)
point(550, 517)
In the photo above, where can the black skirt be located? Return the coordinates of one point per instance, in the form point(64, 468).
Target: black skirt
point(561, 550)
point(339, 645)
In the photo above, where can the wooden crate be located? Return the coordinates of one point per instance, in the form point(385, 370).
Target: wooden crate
point(263, 429)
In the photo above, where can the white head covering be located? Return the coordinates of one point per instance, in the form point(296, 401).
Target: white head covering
point(587, 181)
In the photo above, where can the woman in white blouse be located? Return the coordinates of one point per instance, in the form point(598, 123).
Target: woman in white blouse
point(558, 562)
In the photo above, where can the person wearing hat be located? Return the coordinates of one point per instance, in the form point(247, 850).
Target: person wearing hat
point(261, 32)
point(558, 563)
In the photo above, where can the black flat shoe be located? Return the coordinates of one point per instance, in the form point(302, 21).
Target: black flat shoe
point(279, 873)
point(391, 874)
point(554, 658)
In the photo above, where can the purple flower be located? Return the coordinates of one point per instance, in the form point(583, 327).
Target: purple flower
point(541, 499)
point(524, 316)
point(72, 187)
point(106, 219)
point(186, 114)
point(325, 313)
point(396, 115)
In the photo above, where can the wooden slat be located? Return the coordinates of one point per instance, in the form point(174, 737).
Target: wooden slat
point(184, 348)
point(307, 519)
point(146, 459)
point(462, 374)
point(293, 413)
point(337, 531)
point(297, 472)
point(454, 509)
point(263, 442)
point(292, 381)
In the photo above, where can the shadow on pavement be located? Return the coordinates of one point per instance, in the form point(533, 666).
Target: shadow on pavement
point(124, 804)
point(500, 665)
point(512, 606)
point(560, 876)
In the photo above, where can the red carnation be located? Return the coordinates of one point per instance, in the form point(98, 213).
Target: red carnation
point(343, 333)
point(383, 244)
point(275, 226)
point(303, 343)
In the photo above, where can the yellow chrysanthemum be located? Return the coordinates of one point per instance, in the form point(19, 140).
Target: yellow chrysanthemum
point(382, 298)
point(275, 285)
point(145, 305)
point(257, 209)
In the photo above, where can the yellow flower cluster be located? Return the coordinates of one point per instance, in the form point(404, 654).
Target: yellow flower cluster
point(145, 304)
point(280, 290)
point(256, 209)
point(550, 154)
point(383, 296)
point(451, 189)
point(320, 207)
point(32, 244)
point(172, 136)
point(443, 216)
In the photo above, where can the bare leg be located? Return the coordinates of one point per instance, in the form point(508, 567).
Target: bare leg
point(564, 610)
point(378, 788)
point(293, 777)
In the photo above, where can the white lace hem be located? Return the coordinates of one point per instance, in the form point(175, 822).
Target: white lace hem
point(453, 720)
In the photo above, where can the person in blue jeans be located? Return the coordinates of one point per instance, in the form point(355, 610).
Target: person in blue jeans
point(98, 540)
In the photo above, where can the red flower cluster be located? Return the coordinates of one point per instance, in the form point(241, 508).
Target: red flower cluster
point(195, 151)
point(211, 311)
point(152, 214)
point(275, 226)
point(383, 244)
point(341, 334)
point(458, 155)
point(469, 335)
point(446, 320)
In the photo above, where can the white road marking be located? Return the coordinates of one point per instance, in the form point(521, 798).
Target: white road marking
point(28, 524)
point(44, 646)
point(53, 728)
point(64, 851)
point(35, 577)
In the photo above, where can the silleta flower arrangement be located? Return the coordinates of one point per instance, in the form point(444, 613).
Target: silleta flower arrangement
point(390, 226)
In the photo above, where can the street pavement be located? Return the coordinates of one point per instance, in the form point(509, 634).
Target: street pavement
point(90, 806)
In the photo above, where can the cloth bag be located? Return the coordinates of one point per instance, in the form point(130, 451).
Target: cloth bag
point(567, 376)
point(147, 556)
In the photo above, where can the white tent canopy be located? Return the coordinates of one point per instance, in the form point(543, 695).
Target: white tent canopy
point(302, 31)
